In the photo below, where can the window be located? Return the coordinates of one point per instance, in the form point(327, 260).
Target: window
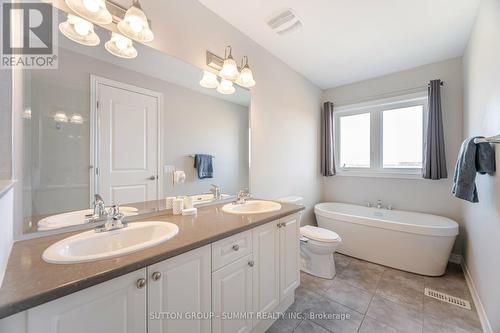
point(381, 138)
point(355, 141)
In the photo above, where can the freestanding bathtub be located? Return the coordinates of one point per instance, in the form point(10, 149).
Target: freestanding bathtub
point(414, 242)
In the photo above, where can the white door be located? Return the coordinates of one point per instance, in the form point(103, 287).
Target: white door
point(289, 255)
point(181, 285)
point(232, 295)
point(127, 140)
point(118, 305)
point(266, 273)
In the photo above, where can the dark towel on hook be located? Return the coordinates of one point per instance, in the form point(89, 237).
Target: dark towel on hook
point(204, 165)
point(472, 158)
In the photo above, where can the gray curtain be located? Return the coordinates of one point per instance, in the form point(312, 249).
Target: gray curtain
point(434, 166)
point(327, 132)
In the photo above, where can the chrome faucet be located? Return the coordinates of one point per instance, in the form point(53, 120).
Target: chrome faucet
point(99, 211)
point(114, 221)
point(379, 204)
point(242, 197)
point(215, 190)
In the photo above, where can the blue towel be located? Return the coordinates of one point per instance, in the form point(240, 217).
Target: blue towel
point(204, 166)
point(472, 158)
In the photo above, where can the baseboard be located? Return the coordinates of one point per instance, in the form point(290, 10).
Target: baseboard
point(455, 258)
point(485, 323)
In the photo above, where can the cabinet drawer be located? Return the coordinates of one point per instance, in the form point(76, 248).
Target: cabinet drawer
point(230, 249)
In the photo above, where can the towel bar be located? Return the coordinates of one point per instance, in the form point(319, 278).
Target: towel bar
point(491, 139)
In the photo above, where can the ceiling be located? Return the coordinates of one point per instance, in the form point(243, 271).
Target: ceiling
point(345, 41)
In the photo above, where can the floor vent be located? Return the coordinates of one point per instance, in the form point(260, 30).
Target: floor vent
point(447, 298)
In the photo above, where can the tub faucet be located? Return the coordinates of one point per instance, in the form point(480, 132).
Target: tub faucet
point(379, 204)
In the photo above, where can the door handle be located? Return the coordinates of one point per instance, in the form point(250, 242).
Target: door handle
point(152, 178)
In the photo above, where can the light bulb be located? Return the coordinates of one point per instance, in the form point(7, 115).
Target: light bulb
point(121, 43)
point(91, 5)
point(60, 117)
point(135, 23)
point(82, 27)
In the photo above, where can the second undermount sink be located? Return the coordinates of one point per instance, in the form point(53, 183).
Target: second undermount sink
point(92, 246)
point(252, 207)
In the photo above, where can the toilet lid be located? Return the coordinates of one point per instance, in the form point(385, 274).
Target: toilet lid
point(319, 234)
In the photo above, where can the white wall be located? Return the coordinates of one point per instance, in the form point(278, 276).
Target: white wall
point(482, 117)
point(407, 194)
point(284, 108)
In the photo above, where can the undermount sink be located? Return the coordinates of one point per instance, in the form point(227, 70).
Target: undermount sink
point(74, 218)
point(252, 207)
point(91, 245)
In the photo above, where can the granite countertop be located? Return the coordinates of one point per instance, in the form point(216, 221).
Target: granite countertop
point(29, 281)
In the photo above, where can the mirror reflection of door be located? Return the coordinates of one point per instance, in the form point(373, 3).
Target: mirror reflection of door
point(126, 130)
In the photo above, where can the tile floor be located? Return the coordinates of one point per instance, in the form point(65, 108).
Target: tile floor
point(373, 298)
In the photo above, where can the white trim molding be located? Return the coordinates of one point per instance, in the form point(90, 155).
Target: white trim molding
point(483, 318)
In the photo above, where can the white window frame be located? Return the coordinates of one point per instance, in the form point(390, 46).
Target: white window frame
point(375, 108)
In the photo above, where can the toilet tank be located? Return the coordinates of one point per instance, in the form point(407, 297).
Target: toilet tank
point(292, 199)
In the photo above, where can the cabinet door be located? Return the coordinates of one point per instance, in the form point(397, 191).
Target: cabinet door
point(118, 305)
point(232, 297)
point(266, 274)
point(180, 286)
point(289, 255)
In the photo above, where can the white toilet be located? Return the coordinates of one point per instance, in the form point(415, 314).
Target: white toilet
point(317, 246)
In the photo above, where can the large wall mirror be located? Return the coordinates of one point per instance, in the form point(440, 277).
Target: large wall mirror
point(127, 130)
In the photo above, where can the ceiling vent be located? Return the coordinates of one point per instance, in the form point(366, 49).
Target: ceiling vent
point(284, 22)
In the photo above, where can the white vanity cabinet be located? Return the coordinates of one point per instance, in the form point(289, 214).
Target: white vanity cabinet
point(118, 305)
point(179, 289)
point(260, 282)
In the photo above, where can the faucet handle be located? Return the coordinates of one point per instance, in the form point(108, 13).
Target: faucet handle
point(115, 214)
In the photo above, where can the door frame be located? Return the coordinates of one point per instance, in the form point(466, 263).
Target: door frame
point(94, 130)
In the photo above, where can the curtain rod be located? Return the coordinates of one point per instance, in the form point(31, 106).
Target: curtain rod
point(386, 95)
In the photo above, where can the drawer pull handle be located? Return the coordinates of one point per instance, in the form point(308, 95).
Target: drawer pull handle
point(251, 263)
point(156, 276)
point(236, 247)
point(140, 283)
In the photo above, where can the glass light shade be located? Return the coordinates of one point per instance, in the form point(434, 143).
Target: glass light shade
point(79, 30)
point(135, 25)
point(209, 80)
point(60, 117)
point(92, 10)
point(226, 87)
point(246, 78)
point(229, 69)
point(76, 118)
point(120, 46)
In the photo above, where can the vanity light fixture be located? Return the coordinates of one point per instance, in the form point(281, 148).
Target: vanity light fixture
point(76, 118)
point(79, 30)
point(92, 10)
point(135, 24)
point(229, 70)
point(60, 117)
point(226, 87)
point(209, 80)
point(121, 46)
point(246, 76)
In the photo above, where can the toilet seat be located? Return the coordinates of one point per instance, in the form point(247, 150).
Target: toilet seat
point(319, 234)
